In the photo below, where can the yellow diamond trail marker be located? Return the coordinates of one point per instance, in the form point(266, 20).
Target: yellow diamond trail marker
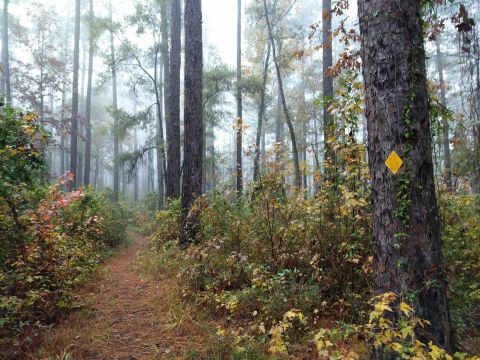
point(394, 162)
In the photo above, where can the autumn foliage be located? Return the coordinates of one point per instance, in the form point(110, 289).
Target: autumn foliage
point(52, 237)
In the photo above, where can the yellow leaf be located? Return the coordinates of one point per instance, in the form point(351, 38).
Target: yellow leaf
point(405, 308)
point(396, 347)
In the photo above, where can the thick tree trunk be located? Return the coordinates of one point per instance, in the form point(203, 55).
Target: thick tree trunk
point(192, 166)
point(239, 121)
point(173, 130)
point(445, 124)
point(74, 120)
point(328, 124)
point(261, 113)
point(116, 142)
point(88, 104)
point(5, 86)
point(406, 225)
point(298, 175)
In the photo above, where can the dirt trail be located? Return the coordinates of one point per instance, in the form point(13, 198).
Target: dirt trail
point(127, 317)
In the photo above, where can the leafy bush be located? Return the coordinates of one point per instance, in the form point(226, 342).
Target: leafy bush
point(255, 261)
point(258, 262)
point(62, 242)
point(279, 264)
point(51, 239)
point(461, 234)
point(395, 338)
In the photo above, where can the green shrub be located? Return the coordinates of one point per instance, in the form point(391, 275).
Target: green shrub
point(461, 247)
point(51, 239)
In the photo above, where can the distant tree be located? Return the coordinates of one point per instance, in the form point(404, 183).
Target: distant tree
point(116, 141)
point(5, 79)
point(261, 114)
point(406, 225)
point(88, 103)
point(286, 113)
point(239, 120)
point(328, 125)
point(74, 119)
point(148, 17)
point(193, 148)
point(445, 124)
point(43, 71)
point(218, 80)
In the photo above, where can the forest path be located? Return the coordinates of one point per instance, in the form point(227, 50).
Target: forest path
point(126, 317)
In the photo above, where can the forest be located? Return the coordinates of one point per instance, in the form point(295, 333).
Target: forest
point(240, 179)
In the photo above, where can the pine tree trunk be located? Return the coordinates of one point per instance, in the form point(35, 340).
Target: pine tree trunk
point(80, 169)
point(173, 130)
point(88, 105)
point(161, 162)
point(328, 125)
point(137, 168)
point(95, 174)
point(166, 84)
point(298, 175)
point(5, 86)
point(116, 143)
point(85, 43)
point(239, 121)
point(406, 225)
point(193, 153)
point(63, 127)
point(303, 121)
point(476, 127)
point(261, 113)
point(278, 125)
point(74, 120)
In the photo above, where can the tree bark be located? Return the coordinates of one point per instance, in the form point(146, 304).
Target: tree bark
point(406, 226)
point(298, 175)
point(116, 143)
point(5, 86)
point(74, 120)
point(328, 125)
point(173, 130)
point(193, 156)
point(88, 104)
point(261, 114)
point(239, 121)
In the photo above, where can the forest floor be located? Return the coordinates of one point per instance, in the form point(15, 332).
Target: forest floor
point(125, 316)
